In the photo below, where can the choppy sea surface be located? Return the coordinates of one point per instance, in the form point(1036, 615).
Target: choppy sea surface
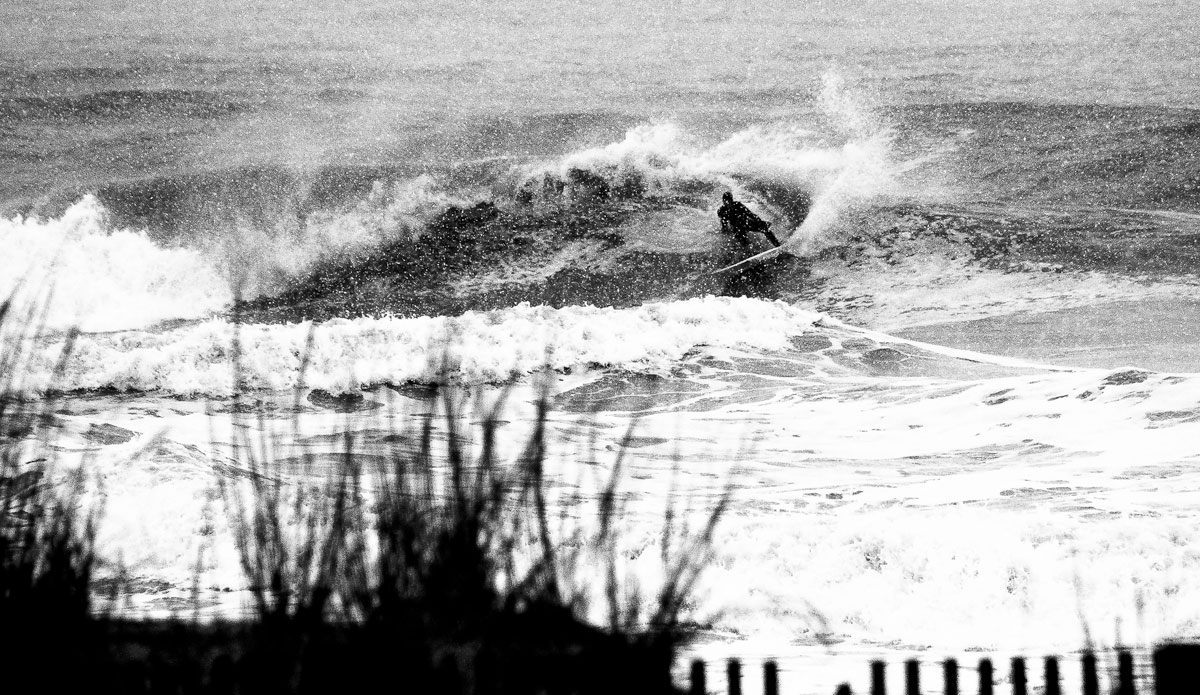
point(961, 414)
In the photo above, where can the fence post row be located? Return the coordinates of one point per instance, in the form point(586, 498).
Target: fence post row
point(1173, 667)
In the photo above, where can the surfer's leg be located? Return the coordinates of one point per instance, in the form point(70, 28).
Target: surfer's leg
point(735, 285)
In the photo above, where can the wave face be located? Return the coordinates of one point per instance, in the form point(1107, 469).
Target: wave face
point(624, 223)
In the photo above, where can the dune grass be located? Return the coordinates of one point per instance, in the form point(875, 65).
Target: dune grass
point(446, 568)
point(454, 564)
point(46, 536)
point(47, 533)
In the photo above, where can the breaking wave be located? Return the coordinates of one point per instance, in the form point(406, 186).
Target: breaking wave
point(137, 253)
point(84, 274)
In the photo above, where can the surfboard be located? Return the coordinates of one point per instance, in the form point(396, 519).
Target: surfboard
point(757, 258)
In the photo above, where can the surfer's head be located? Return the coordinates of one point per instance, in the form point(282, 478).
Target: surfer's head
point(727, 197)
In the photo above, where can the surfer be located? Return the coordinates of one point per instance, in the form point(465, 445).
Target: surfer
point(738, 220)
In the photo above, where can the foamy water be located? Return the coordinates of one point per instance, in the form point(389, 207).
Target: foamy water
point(83, 274)
point(1032, 509)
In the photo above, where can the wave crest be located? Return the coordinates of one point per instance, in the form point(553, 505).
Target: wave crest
point(804, 177)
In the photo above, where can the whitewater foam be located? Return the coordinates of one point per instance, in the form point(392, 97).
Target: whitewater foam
point(1032, 512)
point(83, 274)
point(475, 348)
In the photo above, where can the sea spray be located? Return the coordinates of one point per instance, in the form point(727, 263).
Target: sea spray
point(862, 170)
point(263, 258)
point(845, 160)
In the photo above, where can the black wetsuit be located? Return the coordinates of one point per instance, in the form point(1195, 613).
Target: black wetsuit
point(737, 219)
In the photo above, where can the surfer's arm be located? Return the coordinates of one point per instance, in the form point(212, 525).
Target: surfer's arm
point(771, 235)
point(725, 225)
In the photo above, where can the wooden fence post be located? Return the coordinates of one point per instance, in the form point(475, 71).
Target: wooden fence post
point(770, 678)
point(1053, 687)
point(985, 677)
point(878, 685)
point(1018, 676)
point(733, 676)
point(1175, 669)
point(950, 668)
point(698, 684)
point(1125, 673)
point(1091, 685)
point(912, 677)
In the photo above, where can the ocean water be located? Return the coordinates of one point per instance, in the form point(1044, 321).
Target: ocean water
point(959, 415)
